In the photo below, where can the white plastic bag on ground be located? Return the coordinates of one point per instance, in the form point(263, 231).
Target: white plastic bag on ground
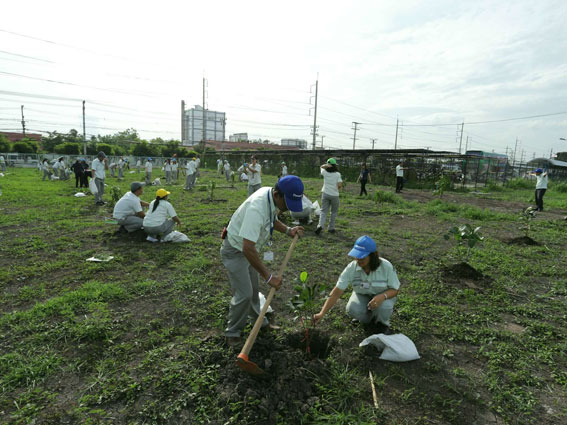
point(263, 301)
point(396, 348)
point(316, 208)
point(176, 237)
point(79, 195)
point(92, 187)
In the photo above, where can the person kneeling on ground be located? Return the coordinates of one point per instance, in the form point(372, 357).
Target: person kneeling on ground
point(374, 282)
point(161, 217)
point(250, 228)
point(128, 210)
point(304, 216)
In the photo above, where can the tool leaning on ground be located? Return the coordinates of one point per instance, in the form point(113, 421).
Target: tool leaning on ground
point(242, 359)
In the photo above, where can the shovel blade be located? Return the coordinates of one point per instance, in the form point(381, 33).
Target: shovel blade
point(248, 366)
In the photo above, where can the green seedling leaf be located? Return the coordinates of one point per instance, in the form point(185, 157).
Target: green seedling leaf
point(303, 277)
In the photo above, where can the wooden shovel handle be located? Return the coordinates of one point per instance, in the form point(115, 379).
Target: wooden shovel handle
point(252, 337)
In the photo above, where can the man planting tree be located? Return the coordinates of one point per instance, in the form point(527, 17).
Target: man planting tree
point(250, 228)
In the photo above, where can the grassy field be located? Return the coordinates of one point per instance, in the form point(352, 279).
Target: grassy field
point(138, 340)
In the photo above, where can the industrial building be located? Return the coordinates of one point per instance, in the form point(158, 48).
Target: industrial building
point(238, 137)
point(192, 125)
point(297, 143)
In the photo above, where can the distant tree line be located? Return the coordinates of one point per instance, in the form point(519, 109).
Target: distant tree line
point(127, 142)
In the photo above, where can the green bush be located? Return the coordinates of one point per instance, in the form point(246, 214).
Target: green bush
point(383, 196)
point(68, 148)
point(560, 187)
point(519, 183)
point(24, 147)
point(5, 145)
point(107, 149)
point(493, 186)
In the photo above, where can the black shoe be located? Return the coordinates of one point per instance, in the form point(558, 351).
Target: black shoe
point(318, 230)
point(234, 341)
point(332, 230)
point(122, 230)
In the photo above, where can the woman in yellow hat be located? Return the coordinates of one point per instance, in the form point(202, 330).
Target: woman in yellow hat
point(161, 217)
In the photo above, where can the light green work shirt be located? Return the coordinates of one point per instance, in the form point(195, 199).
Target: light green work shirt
point(253, 220)
point(378, 281)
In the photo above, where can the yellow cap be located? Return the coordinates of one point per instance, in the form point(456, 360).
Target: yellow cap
point(162, 193)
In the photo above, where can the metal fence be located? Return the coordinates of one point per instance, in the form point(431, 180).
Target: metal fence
point(424, 167)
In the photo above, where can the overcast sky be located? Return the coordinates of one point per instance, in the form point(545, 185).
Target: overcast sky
point(431, 64)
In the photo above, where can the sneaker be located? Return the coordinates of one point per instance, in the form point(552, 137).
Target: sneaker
point(318, 230)
point(331, 230)
point(151, 239)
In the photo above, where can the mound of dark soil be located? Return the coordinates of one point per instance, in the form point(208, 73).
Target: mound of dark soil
point(286, 389)
point(462, 271)
point(522, 240)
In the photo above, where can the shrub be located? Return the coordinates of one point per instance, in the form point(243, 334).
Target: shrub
point(24, 147)
point(4, 144)
point(384, 196)
point(107, 149)
point(560, 187)
point(526, 217)
point(68, 148)
point(519, 183)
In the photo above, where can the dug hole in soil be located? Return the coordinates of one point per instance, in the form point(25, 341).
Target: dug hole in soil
point(288, 386)
point(522, 240)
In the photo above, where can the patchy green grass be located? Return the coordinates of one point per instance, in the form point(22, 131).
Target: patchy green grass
point(138, 340)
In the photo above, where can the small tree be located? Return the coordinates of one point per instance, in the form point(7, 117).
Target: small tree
point(115, 195)
point(212, 186)
point(304, 302)
point(442, 185)
point(526, 217)
point(4, 144)
point(466, 238)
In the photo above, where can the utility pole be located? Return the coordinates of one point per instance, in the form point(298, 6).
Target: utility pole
point(222, 142)
point(550, 154)
point(466, 144)
point(373, 140)
point(515, 147)
point(354, 138)
point(23, 122)
point(315, 112)
point(84, 132)
point(461, 140)
point(396, 141)
point(322, 137)
point(204, 125)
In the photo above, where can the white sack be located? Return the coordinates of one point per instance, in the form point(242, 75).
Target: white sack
point(92, 187)
point(316, 208)
point(396, 348)
point(263, 301)
point(175, 237)
point(79, 195)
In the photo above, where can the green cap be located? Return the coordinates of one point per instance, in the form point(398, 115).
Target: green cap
point(332, 161)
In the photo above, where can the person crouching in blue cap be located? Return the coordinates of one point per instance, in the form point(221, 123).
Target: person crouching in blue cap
point(250, 228)
point(375, 286)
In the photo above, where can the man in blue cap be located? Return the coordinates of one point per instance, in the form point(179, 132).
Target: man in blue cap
point(250, 228)
point(540, 188)
point(375, 286)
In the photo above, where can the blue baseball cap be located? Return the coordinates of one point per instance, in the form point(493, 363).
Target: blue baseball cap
point(292, 189)
point(539, 170)
point(149, 159)
point(363, 247)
